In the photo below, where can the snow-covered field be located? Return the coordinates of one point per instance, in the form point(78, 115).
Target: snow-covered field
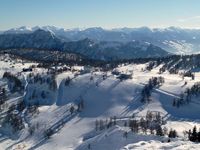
point(104, 98)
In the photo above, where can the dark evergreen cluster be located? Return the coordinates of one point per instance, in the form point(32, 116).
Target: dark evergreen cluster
point(16, 83)
point(151, 65)
point(43, 80)
point(194, 90)
point(13, 119)
point(194, 135)
point(172, 134)
point(153, 82)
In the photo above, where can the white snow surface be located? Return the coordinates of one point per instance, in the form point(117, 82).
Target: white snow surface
point(110, 98)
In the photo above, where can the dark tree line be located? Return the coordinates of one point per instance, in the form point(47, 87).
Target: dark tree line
point(152, 122)
point(3, 96)
point(105, 124)
point(172, 63)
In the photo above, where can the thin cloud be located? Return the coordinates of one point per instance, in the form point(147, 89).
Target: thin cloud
point(194, 18)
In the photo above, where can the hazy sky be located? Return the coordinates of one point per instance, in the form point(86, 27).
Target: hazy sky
point(100, 13)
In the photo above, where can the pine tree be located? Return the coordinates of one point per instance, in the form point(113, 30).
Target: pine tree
point(125, 134)
point(115, 120)
point(174, 134)
point(189, 134)
point(159, 131)
point(72, 110)
point(174, 102)
point(194, 134)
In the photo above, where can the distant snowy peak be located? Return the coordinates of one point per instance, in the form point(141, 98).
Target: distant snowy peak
point(22, 29)
point(39, 39)
point(93, 30)
point(25, 29)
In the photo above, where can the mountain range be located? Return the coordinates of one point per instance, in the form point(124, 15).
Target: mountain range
point(172, 39)
point(86, 46)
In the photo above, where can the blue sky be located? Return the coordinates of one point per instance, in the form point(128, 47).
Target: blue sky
point(100, 13)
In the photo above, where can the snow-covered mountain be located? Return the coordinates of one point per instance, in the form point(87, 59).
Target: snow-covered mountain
point(39, 39)
point(172, 39)
point(101, 50)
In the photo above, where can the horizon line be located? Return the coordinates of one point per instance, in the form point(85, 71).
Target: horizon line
point(104, 28)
